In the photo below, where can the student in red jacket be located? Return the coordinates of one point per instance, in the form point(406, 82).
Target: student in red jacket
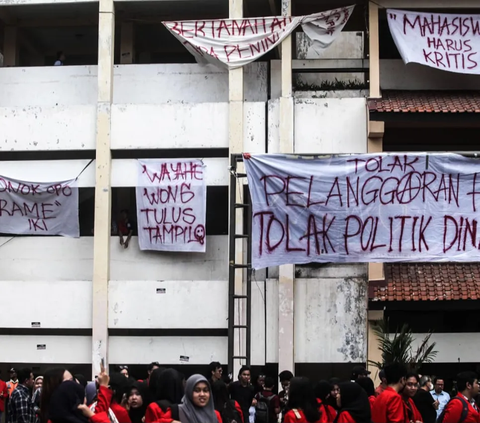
point(167, 387)
point(302, 404)
point(411, 388)
point(353, 404)
point(227, 407)
point(462, 406)
point(109, 399)
point(322, 392)
point(389, 406)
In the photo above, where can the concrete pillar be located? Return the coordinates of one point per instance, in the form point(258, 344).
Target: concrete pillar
point(103, 193)
point(127, 43)
point(373, 351)
point(235, 131)
point(10, 46)
point(374, 50)
point(286, 356)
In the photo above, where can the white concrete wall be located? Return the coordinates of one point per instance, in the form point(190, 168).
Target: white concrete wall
point(331, 320)
point(167, 350)
point(323, 126)
point(59, 349)
point(453, 347)
point(395, 75)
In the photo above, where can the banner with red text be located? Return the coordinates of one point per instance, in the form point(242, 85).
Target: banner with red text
point(171, 205)
point(34, 208)
point(236, 42)
point(449, 42)
point(364, 208)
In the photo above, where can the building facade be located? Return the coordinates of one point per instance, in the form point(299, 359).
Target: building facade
point(128, 91)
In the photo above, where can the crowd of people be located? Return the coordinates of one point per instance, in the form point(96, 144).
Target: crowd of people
point(167, 396)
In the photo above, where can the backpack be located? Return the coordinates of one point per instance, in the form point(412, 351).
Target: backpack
point(230, 414)
point(262, 409)
point(464, 414)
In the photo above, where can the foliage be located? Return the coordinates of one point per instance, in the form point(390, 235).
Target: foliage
point(397, 348)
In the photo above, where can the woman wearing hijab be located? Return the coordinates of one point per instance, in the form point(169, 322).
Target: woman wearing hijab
point(197, 406)
point(322, 392)
point(167, 387)
point(138, 400)
point(52, 379)
point(353, 404)
point(67, 406)
point(110, 395)
point(332, 400)
point(302, 403)
point(409, 391)
point(367, 384)
point(229, 409)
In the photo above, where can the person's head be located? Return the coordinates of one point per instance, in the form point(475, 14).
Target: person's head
point(348, 392)
point(168, 386)
point(82, 380)
point(60, 56)
point(220, 395)
point(124, 213)
point(64, 403)
point(354, 399)
point(269, 383)
point(38, 383)
point(135, 396)
point(197, 405)
point(13, 374)
point(395, 374)
point(119, 386)
point(334, 388)
point(367, 385)
point(382, 377)
point(25, 377)
point(301, 396)
point(260, 381)
point(467, 384)
point(438, 385)
point(322, 390)
point(244, 375)
point(124, 371)
point(215, 370)
point(285, 377)
point(411, 385)
point(51, 380)
point(359, 372)
point(152, 366)
point(426, 383)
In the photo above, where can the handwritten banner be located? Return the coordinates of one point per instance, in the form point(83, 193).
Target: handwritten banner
point(448, 42)
point(171, 205)
point(31, 208)
point(236, 42)
point(364, 208)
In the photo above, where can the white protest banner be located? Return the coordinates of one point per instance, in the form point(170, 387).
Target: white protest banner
point(364, 208)
point(171, 205)
point(34, 208)
point(449, 42)
point(236, 42)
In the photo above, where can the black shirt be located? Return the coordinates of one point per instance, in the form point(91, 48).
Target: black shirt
point(244, 396)
point(424, 402)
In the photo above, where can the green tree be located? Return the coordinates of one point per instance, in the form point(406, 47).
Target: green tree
point(397, 347)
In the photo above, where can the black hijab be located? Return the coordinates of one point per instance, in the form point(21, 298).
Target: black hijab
point(63, 407)
point(322, 390)
point(137, 414)
point(354, 400)
point(169, 388)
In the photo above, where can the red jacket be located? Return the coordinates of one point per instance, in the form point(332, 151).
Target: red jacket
point(345, 417)
point(155, 414)
point(453, 411)
point(3, 395)
point(371, 400)
point(412, 411)
point(104, 402)
point(328, 413)
point(389, 408)
point(297, 416)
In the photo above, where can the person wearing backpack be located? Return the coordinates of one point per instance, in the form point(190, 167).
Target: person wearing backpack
point(229, 409)
point(462, 409)
point(268, 404)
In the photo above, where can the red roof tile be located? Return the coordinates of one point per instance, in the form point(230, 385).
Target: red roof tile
point(427, 102)
point(429, 282)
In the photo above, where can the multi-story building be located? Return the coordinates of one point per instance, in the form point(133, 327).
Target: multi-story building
point(129, 90)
